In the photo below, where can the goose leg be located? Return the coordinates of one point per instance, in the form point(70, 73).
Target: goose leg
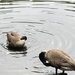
point(56, 71)
point(63, 71)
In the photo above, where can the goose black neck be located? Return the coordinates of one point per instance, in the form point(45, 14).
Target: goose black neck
point(47, 64)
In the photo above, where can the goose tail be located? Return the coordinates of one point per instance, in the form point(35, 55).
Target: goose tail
point(72, 65)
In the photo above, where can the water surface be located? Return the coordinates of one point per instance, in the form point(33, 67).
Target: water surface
point(48, 25)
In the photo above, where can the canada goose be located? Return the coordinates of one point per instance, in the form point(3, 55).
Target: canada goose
point(15, 40)
point(58, 59)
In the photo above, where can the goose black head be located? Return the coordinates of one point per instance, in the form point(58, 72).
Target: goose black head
point(23, 38)
point(43, 59)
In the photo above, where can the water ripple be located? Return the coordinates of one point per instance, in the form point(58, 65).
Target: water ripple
point(70, 10)
point(47, 25)
point(43, 31)
point(26, 22)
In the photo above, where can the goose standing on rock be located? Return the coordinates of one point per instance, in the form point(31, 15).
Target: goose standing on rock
point(58, 59)
point(15, 40)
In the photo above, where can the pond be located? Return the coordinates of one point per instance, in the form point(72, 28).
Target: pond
point(47, 25)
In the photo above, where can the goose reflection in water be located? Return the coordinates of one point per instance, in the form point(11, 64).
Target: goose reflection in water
point(15, 50)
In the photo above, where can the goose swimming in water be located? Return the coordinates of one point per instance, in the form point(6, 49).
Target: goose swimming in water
point(58, 59)
point(15, 40)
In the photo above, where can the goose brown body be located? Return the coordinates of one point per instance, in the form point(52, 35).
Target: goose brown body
point(15, 40)
point(58, 59)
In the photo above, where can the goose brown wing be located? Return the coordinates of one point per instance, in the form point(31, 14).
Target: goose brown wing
point(14, 34)
point(12, 37)
point(60, 59)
